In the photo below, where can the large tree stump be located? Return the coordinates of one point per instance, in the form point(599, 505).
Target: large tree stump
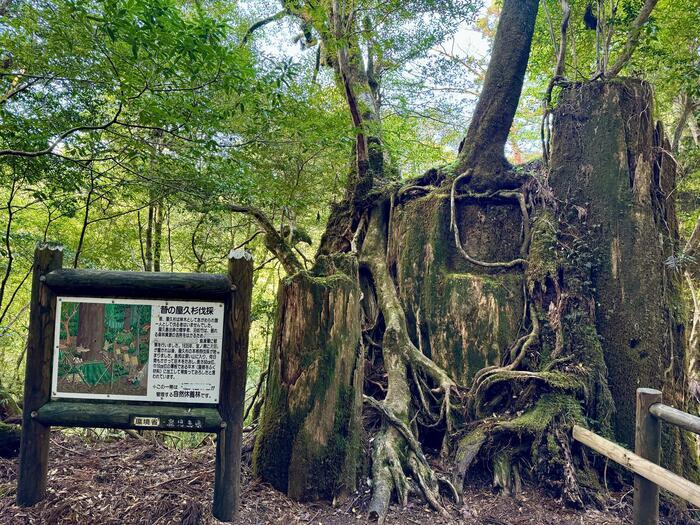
point(308, 443)
point(461, 315)
point(610, 169)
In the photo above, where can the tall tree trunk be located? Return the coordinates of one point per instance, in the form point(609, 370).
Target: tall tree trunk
point(91, 329)
point(686, 106)
point(127, 317)
point(157, 235)
point(149, 237)
point(358, 83)
point(610, 161)
point(483, 150)
point(86, 222)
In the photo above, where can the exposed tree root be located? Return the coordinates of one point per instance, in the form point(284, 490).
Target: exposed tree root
point(397, 451)
point(521, 261)
point(387, 474)
point(467, 451)
point(485, 377)
point(418, 390)
point(517, 410)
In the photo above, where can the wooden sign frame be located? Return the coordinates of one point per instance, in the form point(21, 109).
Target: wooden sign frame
point(225, 418)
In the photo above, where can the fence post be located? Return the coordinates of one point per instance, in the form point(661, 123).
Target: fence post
point(227, 477)
point(34, 444)
point(647, 437)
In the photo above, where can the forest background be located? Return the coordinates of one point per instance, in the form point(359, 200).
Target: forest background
point(129, 128)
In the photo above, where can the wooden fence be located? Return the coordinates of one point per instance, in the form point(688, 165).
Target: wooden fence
point(649, 476)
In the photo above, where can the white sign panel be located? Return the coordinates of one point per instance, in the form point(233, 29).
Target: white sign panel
point(137, 350)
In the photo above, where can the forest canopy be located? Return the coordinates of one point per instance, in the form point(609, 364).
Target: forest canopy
point(126, 124)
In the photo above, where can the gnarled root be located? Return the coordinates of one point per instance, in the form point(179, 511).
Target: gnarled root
point(387, 474)
point(397, 452)
point(467, 451)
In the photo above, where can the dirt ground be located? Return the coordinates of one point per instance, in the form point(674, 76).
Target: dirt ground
point(131, 481)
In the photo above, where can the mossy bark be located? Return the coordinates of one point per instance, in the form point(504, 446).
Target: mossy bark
point(308, 442)
point(610, 168)
point(461, 315)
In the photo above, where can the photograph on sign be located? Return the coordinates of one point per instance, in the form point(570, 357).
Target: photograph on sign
point(145, 350)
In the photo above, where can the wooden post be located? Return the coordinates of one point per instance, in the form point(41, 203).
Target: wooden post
point(646, 444)
point(227, 481)
point(34, 447)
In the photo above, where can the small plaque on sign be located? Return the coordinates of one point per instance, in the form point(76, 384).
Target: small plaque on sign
point(145, 421)
point(184, 423)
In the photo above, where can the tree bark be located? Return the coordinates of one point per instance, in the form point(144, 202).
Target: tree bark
point(149, 238)
point(358, 84)
point(308, 442)
point(687, 105)
point(609, 160)
point(157, 235)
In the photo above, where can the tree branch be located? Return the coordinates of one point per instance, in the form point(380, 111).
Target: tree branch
point(687, 107)
point(261, 23)
point(16, 88)
point(273, 240)
point(632, 38)
point(61, 138)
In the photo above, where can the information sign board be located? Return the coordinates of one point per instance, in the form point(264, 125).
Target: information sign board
point(137, 350)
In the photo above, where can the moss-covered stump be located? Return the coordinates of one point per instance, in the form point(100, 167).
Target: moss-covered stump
point(308, 442)
point(461, 315)
point(9, 440)
point(615, 184)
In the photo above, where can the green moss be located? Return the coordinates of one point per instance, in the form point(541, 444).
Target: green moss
point(322, 354)
point(335, 468)
point(583, 343)
point(337, 280)
point(677, 446)
point(273, 446)
point(558, 381)
point(553, 448)
point(589, 478)
point(467, 317)
point(502, 468)
point(549, 407)
point(542, 258)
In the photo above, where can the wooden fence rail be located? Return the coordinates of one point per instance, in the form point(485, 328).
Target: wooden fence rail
point(649, 476)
